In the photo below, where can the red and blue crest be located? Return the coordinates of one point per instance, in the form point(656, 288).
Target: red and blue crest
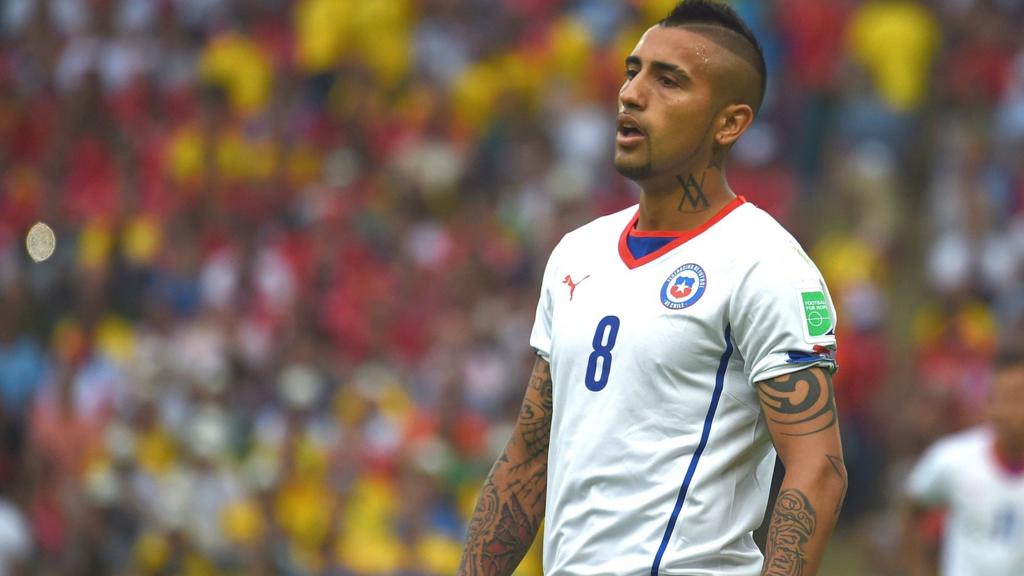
point(684, 287)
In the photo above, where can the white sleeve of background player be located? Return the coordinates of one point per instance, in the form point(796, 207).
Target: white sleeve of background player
point(540, 337)
point(782, 317)
point(928, 482)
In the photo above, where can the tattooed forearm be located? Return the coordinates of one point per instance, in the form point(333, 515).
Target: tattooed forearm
point(502, 531)
point(511, 503)
point(693, 199)
point(840, 469)
point(793, 524)
point(801, 403)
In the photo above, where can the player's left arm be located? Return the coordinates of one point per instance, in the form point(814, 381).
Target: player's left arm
point(801, 414)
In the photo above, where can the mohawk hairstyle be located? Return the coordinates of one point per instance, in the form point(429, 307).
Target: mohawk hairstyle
point(718, 15)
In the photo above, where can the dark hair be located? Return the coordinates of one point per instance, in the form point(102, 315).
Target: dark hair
point(716, 14)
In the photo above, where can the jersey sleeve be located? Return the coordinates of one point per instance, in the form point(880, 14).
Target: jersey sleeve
point(782, 317)
point(928, 482)
point(540, 337)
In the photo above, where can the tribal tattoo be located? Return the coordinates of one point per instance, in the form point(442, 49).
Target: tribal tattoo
point(802, 403)
point(693, 199)
point(511, 503)
point(793, 524)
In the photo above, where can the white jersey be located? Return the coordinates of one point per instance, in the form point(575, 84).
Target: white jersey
point(660, 461)
point(984, 533)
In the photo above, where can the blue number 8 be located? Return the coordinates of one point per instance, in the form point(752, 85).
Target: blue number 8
point(603, 351)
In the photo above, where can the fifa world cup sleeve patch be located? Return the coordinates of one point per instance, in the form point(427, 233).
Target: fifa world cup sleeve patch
point(818, 322)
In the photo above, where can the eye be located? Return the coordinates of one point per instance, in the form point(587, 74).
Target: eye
point(631, 73)
point(668, 82)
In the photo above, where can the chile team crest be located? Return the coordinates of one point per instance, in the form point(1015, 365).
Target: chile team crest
point(684, 287)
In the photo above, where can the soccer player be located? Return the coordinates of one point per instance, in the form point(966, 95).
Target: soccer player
point(681, 343)
point(977, 476)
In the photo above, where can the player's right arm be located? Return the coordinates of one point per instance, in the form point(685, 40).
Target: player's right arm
point(511, 503)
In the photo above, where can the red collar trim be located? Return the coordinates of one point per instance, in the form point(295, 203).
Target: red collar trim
point(634, 233)
point(681, 237)
point(1009, 467)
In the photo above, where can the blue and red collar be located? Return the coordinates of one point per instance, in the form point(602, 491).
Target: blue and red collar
point(677, 238)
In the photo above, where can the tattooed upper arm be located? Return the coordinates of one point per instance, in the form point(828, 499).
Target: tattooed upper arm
point(800, 410)
point(511, 504)
point(799, 404)
point(533, 430)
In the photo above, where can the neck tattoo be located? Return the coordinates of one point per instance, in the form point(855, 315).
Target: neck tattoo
point(693, 199)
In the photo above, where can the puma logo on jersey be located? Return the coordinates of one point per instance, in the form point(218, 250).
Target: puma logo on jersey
point(572, 285)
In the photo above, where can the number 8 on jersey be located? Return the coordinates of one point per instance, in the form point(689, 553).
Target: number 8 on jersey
point(602, 350)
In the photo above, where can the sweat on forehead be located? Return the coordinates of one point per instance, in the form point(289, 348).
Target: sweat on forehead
point(730, 40)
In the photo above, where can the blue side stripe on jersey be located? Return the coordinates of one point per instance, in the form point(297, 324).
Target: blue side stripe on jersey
point(719, 384)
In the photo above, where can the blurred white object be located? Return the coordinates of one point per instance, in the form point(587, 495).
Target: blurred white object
point(583, 135)
point(432, 456)
point(429, 244)
point(299, 386)
point(117, 62)
point(949, 263)
point(274, 280)
point(956, 262)
point(208, 433)
point(15, 542)
point(434, 165)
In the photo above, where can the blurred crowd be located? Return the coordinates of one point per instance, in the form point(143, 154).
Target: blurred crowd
point(285, 330)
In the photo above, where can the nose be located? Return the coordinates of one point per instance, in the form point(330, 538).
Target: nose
point(631, 96)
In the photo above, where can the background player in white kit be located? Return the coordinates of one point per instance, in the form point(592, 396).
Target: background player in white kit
point(977, 476)
point(680, 343)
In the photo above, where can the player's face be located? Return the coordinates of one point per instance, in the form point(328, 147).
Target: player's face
point(666, 104)
point(1007, 410)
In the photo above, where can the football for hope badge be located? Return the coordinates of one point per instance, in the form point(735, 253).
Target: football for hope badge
point(684, 287)
point(817, 315)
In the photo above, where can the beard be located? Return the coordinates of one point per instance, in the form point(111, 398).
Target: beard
point(629, 168)
point(641, 172)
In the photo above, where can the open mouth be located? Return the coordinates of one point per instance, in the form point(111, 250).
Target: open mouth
point(629, 130)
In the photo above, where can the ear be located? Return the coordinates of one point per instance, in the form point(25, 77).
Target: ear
point(733, 121)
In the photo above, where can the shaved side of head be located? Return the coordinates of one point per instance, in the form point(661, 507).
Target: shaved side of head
point(743, 73)
point(739, 78)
